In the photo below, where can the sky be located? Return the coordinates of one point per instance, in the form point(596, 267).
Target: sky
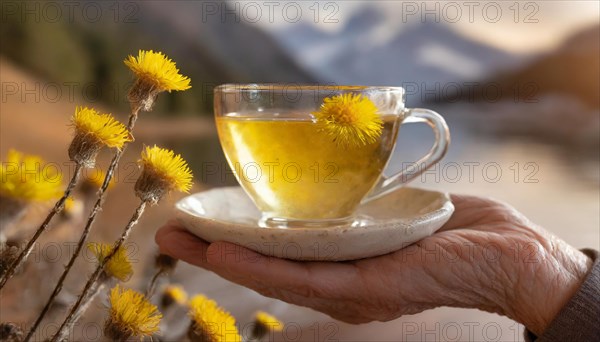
point(515, 26)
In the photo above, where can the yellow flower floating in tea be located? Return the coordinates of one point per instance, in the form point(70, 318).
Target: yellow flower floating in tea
point(118, 266)
point(131, 314)
point(26, 178)
point(157, 69)
point(163, 171)
point(210, 322)
point(350, 120)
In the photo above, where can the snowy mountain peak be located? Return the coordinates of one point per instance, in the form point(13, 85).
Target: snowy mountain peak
point(414, 52)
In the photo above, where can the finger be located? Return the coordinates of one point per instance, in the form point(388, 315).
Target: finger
point(167, 227)
point(177, 242)
point(256, 267)
point(254, 270)
point(309, 279)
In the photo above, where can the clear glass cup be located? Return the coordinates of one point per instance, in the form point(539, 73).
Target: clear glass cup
point(293, 171)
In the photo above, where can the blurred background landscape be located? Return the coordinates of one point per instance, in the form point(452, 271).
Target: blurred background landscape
point(518, 83)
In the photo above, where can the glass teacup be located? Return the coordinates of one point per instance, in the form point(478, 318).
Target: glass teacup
point(297, 173)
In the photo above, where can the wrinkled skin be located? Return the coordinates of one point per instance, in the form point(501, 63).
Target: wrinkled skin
point(487, 256)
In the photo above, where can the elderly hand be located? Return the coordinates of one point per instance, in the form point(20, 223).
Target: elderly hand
point(487, 256)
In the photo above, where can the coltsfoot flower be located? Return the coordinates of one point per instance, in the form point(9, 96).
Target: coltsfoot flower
point(263, 323)
point(165, 263)
point(154, 73)
point(10, 332)
point(73, 209)
point(25, 179)
point(162, 172)
point(173, 294)
point(92, 132)
point(118, 266)
point(210, 323)
point(351, 120)
point(69, 205)
point(131, 314)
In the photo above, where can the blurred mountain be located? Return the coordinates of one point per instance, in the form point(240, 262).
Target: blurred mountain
point(572, 70)
point(210, 52)
point(587, 40)
point(244, 51)
point(366, 52)
point(554, 99)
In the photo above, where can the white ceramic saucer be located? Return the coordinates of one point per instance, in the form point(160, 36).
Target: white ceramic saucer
point(387, 224)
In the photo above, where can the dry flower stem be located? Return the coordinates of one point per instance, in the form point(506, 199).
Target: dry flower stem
point(94, 291)
point(73, 316)
point(86, 230)
point(152, 285)
point(58, 207)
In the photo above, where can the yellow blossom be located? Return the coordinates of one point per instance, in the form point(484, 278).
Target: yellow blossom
point(168, 166)
point(157, 69)
point(268, 321)
point(131, 314)
point(27, 178)
point(210, 322)
point(100, 128)
point(163, 171)
point(350, 119)
point(73, 208)
point(118, 266)
point(69, 205)
point(175, 293)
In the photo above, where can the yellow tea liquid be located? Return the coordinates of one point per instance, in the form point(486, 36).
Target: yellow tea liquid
point(292, 170)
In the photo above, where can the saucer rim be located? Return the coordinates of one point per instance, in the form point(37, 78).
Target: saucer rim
point(446, 208)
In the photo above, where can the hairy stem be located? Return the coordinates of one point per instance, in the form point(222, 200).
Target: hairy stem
point(58, 207)
point(72, 317)
point(152, 285)
point(86, 230)
point(94, 291)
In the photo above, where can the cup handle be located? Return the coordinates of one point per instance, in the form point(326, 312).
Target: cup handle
point(385, 185)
